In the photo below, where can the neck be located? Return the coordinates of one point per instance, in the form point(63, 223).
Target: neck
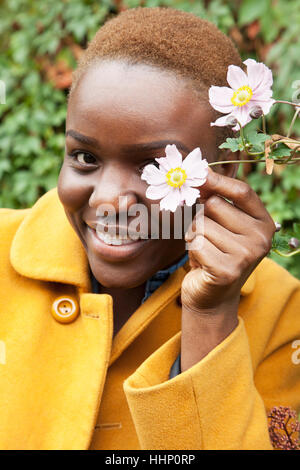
point(125, 303)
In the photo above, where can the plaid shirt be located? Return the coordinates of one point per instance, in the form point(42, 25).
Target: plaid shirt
point(161, 276)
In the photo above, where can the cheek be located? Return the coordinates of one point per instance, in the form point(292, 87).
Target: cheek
point(73, 190)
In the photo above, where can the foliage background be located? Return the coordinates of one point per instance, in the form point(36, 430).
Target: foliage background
point(40, 44)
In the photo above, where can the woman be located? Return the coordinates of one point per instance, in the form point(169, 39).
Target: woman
point(99, 350)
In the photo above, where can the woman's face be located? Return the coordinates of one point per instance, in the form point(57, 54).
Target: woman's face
point(119, 119)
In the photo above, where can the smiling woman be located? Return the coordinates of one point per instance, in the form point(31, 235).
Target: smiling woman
point(144, 342)
point(119, 129)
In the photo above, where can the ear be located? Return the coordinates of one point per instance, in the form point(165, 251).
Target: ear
point(227, 169)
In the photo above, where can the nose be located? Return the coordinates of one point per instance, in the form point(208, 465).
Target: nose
point(114, 188)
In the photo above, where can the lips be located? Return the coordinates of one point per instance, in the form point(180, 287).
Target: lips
point(114, 249)
point(114, 240)
point(114, 232)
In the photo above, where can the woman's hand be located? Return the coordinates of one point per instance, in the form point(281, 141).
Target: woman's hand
point(236, 238)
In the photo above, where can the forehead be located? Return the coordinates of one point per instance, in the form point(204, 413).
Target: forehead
point(137, 103)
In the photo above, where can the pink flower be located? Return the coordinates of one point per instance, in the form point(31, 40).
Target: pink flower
point(284, 428)
point(173, 181)
point(247, 90)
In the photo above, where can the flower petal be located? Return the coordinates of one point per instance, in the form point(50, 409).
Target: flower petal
point(198, 178)
point(173, 156)
point(189, 195)
point(196, 168)
point(153, 175)
point(263, 95)
point(241, 113)
point(164, 165)
point(260, 76)
point(265, 105)
point(158, 191)
point(249, 62)
point(191, 160)
point(171, 201)
point(220, 98)
point(195, 181)
point(236, 77)
point(221, 121)
point(199, 172)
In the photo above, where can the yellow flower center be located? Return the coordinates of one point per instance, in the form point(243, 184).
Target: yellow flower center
point(176, 177)
point(242, 96)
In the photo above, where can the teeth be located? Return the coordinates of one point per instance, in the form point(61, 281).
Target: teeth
point(115, 240)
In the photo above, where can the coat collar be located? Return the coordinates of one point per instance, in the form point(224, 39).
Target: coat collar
point(46, 247)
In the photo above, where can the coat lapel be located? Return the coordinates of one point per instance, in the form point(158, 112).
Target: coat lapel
point(146, 313)
point(47, 248)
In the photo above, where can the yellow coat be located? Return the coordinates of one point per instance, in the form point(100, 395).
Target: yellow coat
point(70, 386)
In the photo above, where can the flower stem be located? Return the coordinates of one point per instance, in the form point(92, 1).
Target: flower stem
point(285, 140)
point(246, 161)
point(293, 152)
point(293, 121)
point(254, 153)
point(287, 433)
point(287, 102)
point(242, 136)
point(264, 123)
point(286, 255)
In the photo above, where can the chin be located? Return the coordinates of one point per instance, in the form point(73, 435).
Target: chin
point(120, 276)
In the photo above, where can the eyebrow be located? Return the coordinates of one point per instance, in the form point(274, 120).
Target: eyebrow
point(84, 139)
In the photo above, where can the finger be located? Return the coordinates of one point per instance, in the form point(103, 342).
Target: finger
point(243, 251)
point(255, 242)
point(222, 212)
point(196, 226)
point(222, 238)
point(227, 215)
point(204, 254)
point(240, 193)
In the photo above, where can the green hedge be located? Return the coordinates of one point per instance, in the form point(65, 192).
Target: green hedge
point(40, 42)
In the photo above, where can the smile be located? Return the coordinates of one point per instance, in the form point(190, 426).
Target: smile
point(115, 248)
point(116, 239)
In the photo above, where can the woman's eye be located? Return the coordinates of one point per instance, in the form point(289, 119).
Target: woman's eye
point(83, 158)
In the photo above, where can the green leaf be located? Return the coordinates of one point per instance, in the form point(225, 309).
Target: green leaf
point(231, 143)
point(5, 166)
point(280, 242)
point(251, 10)
point(281, 151)
point(256, 139)
point(269, 26)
